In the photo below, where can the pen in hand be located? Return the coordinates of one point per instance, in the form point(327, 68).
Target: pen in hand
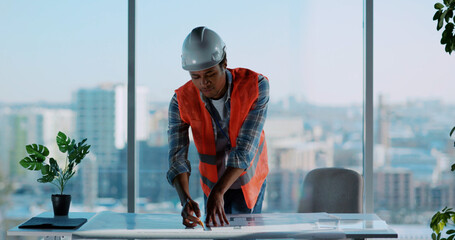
point(199, 220)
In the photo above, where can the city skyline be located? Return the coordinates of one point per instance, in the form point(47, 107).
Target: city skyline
point(303, 142)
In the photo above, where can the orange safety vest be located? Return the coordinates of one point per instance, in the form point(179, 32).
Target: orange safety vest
point(244, 93)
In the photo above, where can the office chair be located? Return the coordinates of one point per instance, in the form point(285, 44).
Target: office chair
point(332, 190)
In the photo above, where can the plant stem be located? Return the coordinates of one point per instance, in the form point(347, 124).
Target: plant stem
point(62, 184)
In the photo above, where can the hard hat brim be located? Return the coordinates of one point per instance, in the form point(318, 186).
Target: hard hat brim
point(201, 66)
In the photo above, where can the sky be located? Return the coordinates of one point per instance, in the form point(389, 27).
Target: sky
point(309, 49)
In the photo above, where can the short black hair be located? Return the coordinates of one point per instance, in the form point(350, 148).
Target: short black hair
point(224, 59)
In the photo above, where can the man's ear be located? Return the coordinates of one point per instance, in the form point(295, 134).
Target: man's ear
point(224, 64)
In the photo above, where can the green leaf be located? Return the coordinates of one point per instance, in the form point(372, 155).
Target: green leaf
point(73, 155)
point(70, 167)
point(448, 48)
point(438, 6)
point(31, 164)
point(435, 220)
point(440, 23)
point(437, 15)
point(39, 151)
point(48, 172)
point(440, 219)
point(441, 225)
point(449, 29)
point(45, 169)
point(63, 142)
point(79, 152)
point(451, 231)
point(54, 168)
point(46, 179)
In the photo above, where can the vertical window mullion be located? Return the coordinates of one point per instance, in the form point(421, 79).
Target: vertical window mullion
point(131, 169)
point(368, 107)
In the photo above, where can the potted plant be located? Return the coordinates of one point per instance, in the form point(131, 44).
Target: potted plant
point(441, 219)
point(445, 15)
point(38, 160)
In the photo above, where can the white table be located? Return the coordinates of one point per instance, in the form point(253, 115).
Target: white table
point(267, 225)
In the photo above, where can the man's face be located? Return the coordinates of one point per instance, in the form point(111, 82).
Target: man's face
point(210, 81)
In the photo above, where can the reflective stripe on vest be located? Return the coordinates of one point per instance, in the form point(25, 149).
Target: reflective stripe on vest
point(193, 112)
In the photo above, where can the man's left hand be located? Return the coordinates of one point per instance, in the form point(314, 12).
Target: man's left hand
point(215, 208)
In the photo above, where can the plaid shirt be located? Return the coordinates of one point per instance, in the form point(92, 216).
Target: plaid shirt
point(247, 140)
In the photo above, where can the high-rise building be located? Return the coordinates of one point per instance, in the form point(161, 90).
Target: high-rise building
point(394, 188)
point(96, 120)
point(102, 119)
point(422, 193)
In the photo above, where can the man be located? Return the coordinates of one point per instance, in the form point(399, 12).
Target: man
point(226, 110)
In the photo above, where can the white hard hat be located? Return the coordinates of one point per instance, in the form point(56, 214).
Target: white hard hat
point(202, 49)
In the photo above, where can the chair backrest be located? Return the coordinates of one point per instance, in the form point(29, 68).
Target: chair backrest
point(332, 190)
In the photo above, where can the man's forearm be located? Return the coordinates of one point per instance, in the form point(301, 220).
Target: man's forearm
point(229, 177)
point(182, 186)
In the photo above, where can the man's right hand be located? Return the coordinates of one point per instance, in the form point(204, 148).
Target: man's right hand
point(190, 209)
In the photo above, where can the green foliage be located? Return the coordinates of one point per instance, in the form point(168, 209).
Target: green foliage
point(444, 15)
point(51, 171)
point(441, 219)
point(36, 158)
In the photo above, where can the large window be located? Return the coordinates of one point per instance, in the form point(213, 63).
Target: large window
point(314, 66)
point(63, 68)
point(414, 112)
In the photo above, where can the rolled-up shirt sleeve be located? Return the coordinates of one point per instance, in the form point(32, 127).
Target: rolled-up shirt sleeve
point(249, 136)
point(178, 143)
